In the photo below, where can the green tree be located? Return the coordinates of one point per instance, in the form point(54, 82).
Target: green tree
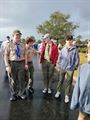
point(78, 39)
point(58, 26)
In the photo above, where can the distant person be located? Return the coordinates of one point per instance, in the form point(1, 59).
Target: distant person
point(48, 60)
point(3, 46)
point(39, 46)
point(88, 43)
point(68, 62)
point(81, 92)
point(35, 46)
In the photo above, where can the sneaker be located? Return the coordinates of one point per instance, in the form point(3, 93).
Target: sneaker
point(49, 91)
point(45, 90)
point(57, 94)
point(66, 99)
point(23, 97)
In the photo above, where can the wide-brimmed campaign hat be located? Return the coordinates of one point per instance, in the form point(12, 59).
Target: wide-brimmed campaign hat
point(17, 32)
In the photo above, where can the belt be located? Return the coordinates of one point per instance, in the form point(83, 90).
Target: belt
point(30, 62)
point(17, 61)
point(49, 60)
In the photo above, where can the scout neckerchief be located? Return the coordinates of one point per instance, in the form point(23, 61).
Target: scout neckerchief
point(17, 50)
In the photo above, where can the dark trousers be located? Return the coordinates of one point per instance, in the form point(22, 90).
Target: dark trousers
point(17, 77)
point(29, 75)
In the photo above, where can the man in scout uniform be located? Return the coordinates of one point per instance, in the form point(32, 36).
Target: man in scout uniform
point(15, 52)
point(48, 58)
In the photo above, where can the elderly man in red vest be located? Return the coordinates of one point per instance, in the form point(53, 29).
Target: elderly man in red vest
point(48, 58)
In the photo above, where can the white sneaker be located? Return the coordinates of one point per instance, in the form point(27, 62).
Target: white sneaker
point(57, 94)
point(44, 90)
point(66, 99)
point(49, 91)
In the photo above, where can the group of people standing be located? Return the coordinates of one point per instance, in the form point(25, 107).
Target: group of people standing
point(66, 61)
point(18, 62)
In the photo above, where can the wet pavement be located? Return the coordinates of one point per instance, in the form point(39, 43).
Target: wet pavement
point(38, 106)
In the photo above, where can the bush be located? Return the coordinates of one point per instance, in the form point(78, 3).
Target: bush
point(82, 50)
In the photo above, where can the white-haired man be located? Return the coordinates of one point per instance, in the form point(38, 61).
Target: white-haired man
point(48, 58)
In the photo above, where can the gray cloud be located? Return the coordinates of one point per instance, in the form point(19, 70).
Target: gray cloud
point(84, 9)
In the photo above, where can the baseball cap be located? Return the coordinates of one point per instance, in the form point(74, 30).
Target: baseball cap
point(46, 35)
point(17, 32)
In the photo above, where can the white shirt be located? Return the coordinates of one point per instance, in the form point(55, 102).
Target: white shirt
point(3, 46)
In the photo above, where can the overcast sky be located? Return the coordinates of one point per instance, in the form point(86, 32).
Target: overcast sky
point(26, 15)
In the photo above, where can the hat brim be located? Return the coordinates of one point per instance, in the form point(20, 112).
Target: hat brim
point(17, 33)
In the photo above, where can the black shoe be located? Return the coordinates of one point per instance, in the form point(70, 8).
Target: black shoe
point(31, 90)
point(25, 93)
point(21, 97)
point(13, 98)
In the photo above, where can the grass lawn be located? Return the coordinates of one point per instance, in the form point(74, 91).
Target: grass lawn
point(83, 59)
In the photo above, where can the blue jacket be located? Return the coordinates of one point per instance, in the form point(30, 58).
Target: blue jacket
point(68, 60)
point(81, 93)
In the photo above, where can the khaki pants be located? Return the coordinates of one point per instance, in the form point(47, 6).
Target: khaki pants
point(83, 116)
point(48, 70)
point(69, 78)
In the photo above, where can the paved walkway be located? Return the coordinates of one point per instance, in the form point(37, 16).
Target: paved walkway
point(38, 107)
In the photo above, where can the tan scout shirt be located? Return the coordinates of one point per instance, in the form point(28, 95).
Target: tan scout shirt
point(11, 54)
